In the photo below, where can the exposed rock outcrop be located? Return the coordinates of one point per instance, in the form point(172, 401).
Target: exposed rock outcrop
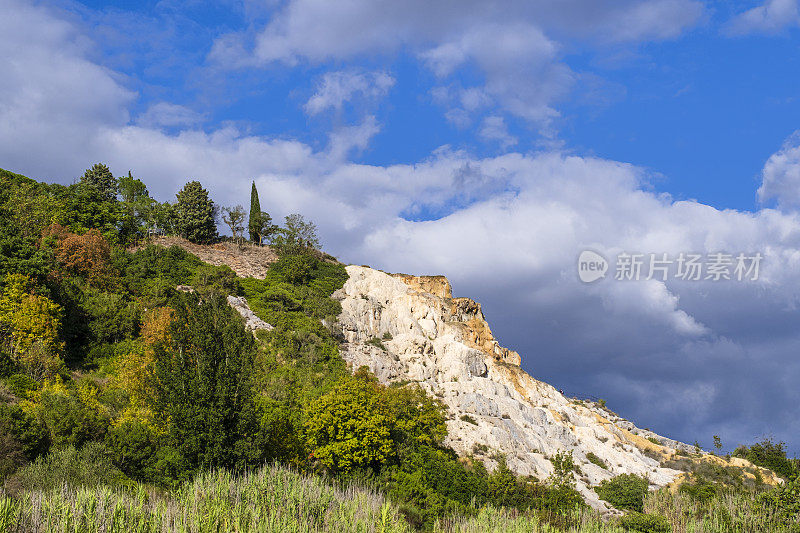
point(251, 321)
point(446, 346)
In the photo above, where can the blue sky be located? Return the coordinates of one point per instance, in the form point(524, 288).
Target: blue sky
point(704, 109)
point(488, 141)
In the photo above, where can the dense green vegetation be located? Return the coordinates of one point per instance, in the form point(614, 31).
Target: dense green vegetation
point(128, 400)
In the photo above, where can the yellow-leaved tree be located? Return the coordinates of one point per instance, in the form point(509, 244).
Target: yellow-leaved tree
point(29, 325)
point(134, 370)
point(347, 427)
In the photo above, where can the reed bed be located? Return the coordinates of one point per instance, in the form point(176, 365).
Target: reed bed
point(276, 499)
point(272, 499)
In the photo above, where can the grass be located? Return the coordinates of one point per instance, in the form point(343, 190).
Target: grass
point(727, 511)
point(272, 499)
point(277, 499)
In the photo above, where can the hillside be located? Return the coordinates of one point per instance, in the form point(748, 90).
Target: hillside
point(410, 329)
point(146, 382)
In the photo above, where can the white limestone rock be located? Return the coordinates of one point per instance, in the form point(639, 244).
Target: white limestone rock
point(445, 345)
point(251, 321)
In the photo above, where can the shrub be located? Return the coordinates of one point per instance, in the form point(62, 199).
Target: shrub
point(294, 268)
point(21, 384)
point(770, 455)
point(625, 491)
point(469, 420)
point(71, 416)
point(701, 491)
point(563, 466)
point(132, 446)
point(596, 460)
point(87, 466)
point(347, 428)
point(646, 523)
point(784, 499)
point(86, 255)
point(654, 441)
point(376, 342)
point(25, 430)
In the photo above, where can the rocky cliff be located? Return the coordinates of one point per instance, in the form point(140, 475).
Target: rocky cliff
point(411, 329)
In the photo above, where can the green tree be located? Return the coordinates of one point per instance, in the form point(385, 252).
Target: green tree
point(264, 227)
point(100, 177)
point(29, 327)
point(203, 385)
point(161, 219)
point(348, 427)
point(234, 218)
point(195, 214)
point(255, 225)
point(298, 235)
point(136, 202)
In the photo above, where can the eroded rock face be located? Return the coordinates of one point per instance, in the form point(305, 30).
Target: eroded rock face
point(251, 321)
point(446, 346)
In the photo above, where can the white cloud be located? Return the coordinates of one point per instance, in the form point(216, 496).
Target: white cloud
point(165, 114)
point(337, 88)
point(494, 129)
point(508, 41)
point(344, 140)
point(780, 177)
point(772, 16)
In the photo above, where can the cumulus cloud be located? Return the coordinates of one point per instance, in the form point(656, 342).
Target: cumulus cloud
point(771, 17)
point(780, 177)
point(689, 359)
point(337, 88)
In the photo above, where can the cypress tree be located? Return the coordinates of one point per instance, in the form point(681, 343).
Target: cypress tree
point(255, 214)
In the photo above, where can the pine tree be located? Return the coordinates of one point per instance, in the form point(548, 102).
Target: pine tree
point(195, 214)
point(101, 178)
point(255, 215)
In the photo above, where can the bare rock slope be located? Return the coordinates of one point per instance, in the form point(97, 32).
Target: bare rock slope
point(408, 328)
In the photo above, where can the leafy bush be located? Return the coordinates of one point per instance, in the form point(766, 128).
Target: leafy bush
point(72, 415)
point(784, 500)
point(376, 342)
point(87, 466)
point(21, 384)
point(646, 523)
point(701, 491)
point(596, 460)
point(770, 455)
point(24, 430)
point(625, 491)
